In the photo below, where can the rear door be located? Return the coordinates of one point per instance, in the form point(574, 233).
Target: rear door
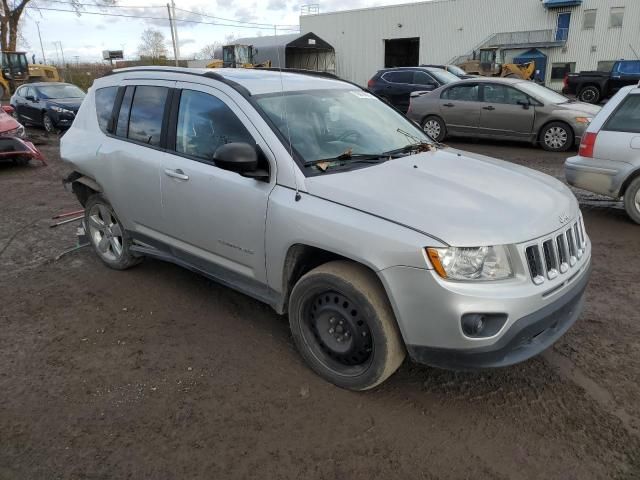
point(619, 138)
point(501, 115)
point(398, 87)
point(132, 156)
point(214, 218)
point(460, 108)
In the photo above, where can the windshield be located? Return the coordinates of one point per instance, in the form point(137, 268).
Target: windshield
point(457, 71)
point(60, 91)
point(443, 76)
point(541, 93)
point(325, 124)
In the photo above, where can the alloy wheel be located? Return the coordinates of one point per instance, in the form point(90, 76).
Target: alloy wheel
point(106, 232)
point(48, 124)
point(637, 201)
point(556, 137)
point(338, 333)
point(432, 128)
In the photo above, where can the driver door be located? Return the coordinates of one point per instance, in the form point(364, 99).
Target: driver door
point(214, 219)
point(502, 116)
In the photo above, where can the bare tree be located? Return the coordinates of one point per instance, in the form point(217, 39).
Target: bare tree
point(211, 51)
point(153, 44)
point(11, 13)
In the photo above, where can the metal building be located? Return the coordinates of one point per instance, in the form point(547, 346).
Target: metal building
point(561, 35)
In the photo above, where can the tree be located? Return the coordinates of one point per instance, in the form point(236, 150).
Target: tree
point(11, 13)
point(153, 44)
point(211, 51)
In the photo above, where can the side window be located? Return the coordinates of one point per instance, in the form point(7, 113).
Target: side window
point(514, 96)
point(627, 116)
point(147, 112)
point(123, 116)
point(399, 77)
point(29, 92)
point(467, 93)
point(421, 78)
point(494, 93)
point(629, 68)
point(205, 123)
point(20, 92)
point(105, 98)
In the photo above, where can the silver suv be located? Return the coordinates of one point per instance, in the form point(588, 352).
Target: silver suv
point(310, 194)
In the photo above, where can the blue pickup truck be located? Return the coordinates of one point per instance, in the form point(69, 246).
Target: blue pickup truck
point(592, 87)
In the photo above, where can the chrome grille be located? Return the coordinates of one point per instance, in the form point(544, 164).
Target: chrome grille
point(556, 255)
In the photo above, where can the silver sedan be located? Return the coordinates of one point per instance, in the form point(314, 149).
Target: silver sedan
point(502, 109)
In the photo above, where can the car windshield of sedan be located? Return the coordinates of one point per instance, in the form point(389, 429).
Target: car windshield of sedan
point(60, 91)
point(457, 71)
point(346, 123)
point(541, 93)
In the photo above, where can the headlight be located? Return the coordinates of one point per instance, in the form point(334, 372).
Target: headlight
point(61, 110)
point(584, 120)
point(16, 132)
point(471, 263)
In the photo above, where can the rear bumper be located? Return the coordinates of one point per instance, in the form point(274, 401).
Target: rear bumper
point(527, 337)
point(597, 175)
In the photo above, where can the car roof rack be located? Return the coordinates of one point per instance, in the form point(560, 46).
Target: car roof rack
point(313, 73)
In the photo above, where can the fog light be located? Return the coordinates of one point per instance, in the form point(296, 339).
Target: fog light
point(473, 324)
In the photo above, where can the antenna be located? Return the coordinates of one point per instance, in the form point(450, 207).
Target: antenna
point(286, 119)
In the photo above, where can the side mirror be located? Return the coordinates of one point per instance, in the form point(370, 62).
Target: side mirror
point(8, 109)
point(31, 98)
point(525, 104)
point(241, 158)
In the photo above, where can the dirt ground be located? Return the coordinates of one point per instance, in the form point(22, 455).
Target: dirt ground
point(159, 373)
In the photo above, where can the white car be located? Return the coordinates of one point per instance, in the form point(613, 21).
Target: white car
point(608, 162)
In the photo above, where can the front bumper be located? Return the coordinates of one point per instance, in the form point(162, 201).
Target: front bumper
point(597, 175)
point(62, 120)
point(14, 147)
point(527, 337)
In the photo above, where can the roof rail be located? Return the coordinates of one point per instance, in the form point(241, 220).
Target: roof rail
point(314, 73)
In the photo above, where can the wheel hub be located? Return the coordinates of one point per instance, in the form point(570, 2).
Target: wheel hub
point(339, 329)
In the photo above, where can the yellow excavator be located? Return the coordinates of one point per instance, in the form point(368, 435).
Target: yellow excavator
point(489, 65)
point(238, 56)
point(16, 71)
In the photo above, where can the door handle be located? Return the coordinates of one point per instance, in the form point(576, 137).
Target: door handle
point(177, 173)
point(448, 105)
point(490, 108)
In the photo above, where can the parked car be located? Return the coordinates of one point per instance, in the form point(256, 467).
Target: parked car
point(52, 105)
point(502, 109)
point(457, 71)
point(14, 145)
point(310, 194)
point(608, 161)
point(592, 87)
point(396, 84)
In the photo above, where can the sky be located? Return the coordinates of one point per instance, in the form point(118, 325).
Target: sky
point(83, 37)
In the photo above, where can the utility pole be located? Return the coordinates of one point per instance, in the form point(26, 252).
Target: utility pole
point(173, 38)
point(44, 59)
point(61, 53)
point(175, 28)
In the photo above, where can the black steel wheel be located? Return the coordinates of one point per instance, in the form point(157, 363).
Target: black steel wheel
point(344, 327)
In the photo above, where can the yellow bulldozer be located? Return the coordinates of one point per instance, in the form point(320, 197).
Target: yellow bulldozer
point(489, 64)
point(238, 56)
point(16, 71)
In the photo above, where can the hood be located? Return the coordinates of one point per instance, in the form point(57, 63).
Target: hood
point(460, 198)
point(68, 103)
point(580, 108)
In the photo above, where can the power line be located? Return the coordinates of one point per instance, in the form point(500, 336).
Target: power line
point(66, 2)
point(104, 14)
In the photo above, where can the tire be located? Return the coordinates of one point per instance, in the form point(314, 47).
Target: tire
point(108, 237)
point(435, 128)
point(47, 123)
point(556, 137)
point(344, 327)
point(632, 200)
point(589, 94)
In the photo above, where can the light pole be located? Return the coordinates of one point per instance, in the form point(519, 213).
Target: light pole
point(44, 59)
point(175, 29)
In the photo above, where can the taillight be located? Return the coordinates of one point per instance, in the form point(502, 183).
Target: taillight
point(587, 144)
point(565, 81)
point(370, 83)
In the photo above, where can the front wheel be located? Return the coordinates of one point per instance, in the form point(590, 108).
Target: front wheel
point(344, 327)
point(435, 128)
point(632, 200)
point(108, 237)
point(556, 137)
point(590, 94)
point(47, 123)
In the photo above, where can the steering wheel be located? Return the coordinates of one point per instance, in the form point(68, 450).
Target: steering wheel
point(348, 133)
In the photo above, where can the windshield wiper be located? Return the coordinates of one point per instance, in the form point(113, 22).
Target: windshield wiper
point(351, 158)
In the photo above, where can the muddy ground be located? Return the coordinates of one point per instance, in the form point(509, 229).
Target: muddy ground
point(159, 373)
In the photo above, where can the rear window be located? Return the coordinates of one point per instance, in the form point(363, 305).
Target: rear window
point(105, 99)
point(626, 118)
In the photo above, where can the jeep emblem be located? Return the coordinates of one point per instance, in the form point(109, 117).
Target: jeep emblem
point(564, 218)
